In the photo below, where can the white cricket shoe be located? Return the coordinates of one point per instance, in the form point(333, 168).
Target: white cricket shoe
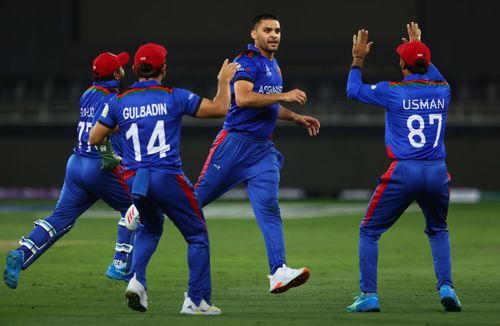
point(136, 295)
point(189, 308)
point(285, 278)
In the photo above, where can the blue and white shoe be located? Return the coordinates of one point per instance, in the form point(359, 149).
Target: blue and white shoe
point(449, 298)
point(365, 303)
point(117, 270)
point(14, 262)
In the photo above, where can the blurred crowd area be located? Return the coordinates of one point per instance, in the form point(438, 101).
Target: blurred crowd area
point(56, 101)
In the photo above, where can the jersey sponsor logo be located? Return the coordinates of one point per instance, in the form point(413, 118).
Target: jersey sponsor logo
point(269, 89)
point(87, 112)
point(423, 104)
point(143, 111)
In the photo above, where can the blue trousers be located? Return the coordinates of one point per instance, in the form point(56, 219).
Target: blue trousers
point(84, 184)
point(171, 194)
point(234, 159)
point(426, 182)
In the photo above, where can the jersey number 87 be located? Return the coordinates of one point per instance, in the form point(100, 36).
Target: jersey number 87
point(418, 134)
point(158, 135)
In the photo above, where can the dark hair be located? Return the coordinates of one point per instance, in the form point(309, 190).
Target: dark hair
point(263, 16)
point(420, 67)
point(145, 70)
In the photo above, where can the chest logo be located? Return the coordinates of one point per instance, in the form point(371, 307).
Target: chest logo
point(268, 72)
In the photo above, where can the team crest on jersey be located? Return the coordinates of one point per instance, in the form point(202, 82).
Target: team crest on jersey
point(105, 110)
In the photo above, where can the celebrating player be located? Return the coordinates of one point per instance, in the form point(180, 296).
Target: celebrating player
point(148, 117)
point(86, 181)
point(243, 152)
point(416, 111)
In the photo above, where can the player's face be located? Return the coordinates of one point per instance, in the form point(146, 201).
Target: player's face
point(267, 35)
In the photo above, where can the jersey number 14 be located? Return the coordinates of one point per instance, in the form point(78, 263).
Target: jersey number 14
point(158, 135)
point(416, 136)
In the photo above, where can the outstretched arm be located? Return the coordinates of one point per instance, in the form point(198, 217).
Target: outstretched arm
point(311, 124)
point(356, 90)
point(218, 107)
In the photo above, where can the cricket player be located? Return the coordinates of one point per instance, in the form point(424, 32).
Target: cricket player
point(87, 180)
point(148, 117)
point(416, 110)
point(243, 151)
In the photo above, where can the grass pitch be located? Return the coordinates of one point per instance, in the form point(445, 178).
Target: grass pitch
point(67, 285)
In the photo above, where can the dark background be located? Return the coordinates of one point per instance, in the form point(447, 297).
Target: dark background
point(48, 48)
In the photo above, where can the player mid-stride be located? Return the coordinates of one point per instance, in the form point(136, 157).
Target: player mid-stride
point(243, 151)
point(148, 117)
point(87, 180)
point(416, 109)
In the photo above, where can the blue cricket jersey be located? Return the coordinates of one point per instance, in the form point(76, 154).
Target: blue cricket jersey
point(149, 118)
point(266, 77)
point(416, 110)
point(92, 102)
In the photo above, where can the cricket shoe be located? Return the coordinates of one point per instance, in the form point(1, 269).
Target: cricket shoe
point(189, 308)
point(117, 270)
point(449, 298)
point(136, 295)
point(14, 262)
point(365, 303)
point(286, 278)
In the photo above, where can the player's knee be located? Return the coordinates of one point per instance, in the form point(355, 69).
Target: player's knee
point(367, 231)
point(199, 240)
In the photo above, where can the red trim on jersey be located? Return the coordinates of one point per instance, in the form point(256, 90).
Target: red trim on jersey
point(379, 191)
point(418, 81)
point(216, 144)
point(136, 90)
point(193, 201)
point(119, 173)
point(390, 154)
point(129, 174)
point(101, 89)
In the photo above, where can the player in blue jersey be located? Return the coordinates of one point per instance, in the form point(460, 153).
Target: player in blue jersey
point(148, 117)
point(84, 183)
point(416, 110)
point(243, 151)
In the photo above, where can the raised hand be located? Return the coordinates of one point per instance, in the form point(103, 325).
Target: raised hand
point(360, 45)
point(228, 70)
point(414, 33)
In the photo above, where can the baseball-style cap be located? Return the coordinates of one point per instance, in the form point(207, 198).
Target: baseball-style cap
point(151, 53)
point(413, 51)
point(105, 64)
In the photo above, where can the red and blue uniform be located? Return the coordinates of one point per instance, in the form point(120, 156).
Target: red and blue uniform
point(149, 118)
point(84, 184)
point(415, 121)
point(244, 153)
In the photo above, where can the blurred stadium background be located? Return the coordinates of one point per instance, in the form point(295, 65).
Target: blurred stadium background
point(49, 47)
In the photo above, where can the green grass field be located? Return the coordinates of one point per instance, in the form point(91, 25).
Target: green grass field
point(67, 286)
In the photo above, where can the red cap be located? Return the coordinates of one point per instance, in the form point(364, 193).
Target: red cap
point(105, 64)
point(413, 51)
point(151, 53)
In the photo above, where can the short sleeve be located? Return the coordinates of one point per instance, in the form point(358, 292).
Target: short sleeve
point(108, 113)
point(187, 102)
point(248, 69)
